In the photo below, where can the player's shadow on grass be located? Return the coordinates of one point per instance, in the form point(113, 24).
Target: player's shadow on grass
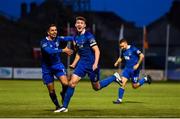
point(49, 110)
point(132, 102)
point(86, 110)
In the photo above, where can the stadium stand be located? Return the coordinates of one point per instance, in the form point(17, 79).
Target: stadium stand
point(20, 36)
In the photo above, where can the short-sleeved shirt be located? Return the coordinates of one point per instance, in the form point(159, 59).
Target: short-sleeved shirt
point(84, 44)
point(130, 58)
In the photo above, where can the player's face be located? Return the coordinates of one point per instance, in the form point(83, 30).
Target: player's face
point(80, 25)
point(52, 33)
point(123, 45)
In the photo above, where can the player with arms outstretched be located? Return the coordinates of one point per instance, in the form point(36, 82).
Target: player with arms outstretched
point(51, 62)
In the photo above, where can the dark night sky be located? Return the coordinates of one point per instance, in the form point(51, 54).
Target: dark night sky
point(142, 12)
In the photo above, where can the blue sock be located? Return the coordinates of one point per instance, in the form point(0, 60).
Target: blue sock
point(54, 98)
point(141, 81)
point(105, 82)
point(68, 95)
point(121, 93)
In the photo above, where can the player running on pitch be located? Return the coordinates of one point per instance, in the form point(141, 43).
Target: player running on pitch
point(132, 58)
point(85, 62)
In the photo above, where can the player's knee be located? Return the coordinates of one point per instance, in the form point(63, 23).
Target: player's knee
point(64, 80)
point(72, 84)
point(66, 84)
point(96, 86)
point(52, 91)
point(123, 84)
point(135, 86)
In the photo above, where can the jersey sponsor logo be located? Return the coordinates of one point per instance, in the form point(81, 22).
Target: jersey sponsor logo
point(80, 45)
point(126, 57)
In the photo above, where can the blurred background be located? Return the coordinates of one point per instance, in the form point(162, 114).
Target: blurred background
point(152, 25)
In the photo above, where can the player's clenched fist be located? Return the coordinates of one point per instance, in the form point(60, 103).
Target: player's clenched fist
point(68, 51)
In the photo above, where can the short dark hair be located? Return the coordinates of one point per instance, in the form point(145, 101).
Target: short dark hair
point(122, 40)
point(50, 25)
point(81, 18)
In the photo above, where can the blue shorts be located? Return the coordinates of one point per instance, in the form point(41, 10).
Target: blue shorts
point(48, 73)
point(132, 74)
point(83, 67)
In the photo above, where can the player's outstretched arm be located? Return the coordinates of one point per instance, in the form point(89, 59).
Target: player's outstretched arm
point(65, 38)
point(76, 59)
point(49, 49)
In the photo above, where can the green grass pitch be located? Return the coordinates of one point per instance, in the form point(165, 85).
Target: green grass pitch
point(27, 98)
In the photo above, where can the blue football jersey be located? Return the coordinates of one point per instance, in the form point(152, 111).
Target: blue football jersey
point(84, 44)
point(50, 50)
point(130, 56)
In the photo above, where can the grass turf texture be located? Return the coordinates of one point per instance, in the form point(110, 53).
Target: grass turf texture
point(28, 98)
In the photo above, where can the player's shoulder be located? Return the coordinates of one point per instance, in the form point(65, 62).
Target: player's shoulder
point(43, 42)
point(133, 47)
point(89, 35)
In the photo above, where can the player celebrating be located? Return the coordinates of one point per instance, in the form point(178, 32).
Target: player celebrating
point(51, 62)
point(132, 57)
point(87, 59)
